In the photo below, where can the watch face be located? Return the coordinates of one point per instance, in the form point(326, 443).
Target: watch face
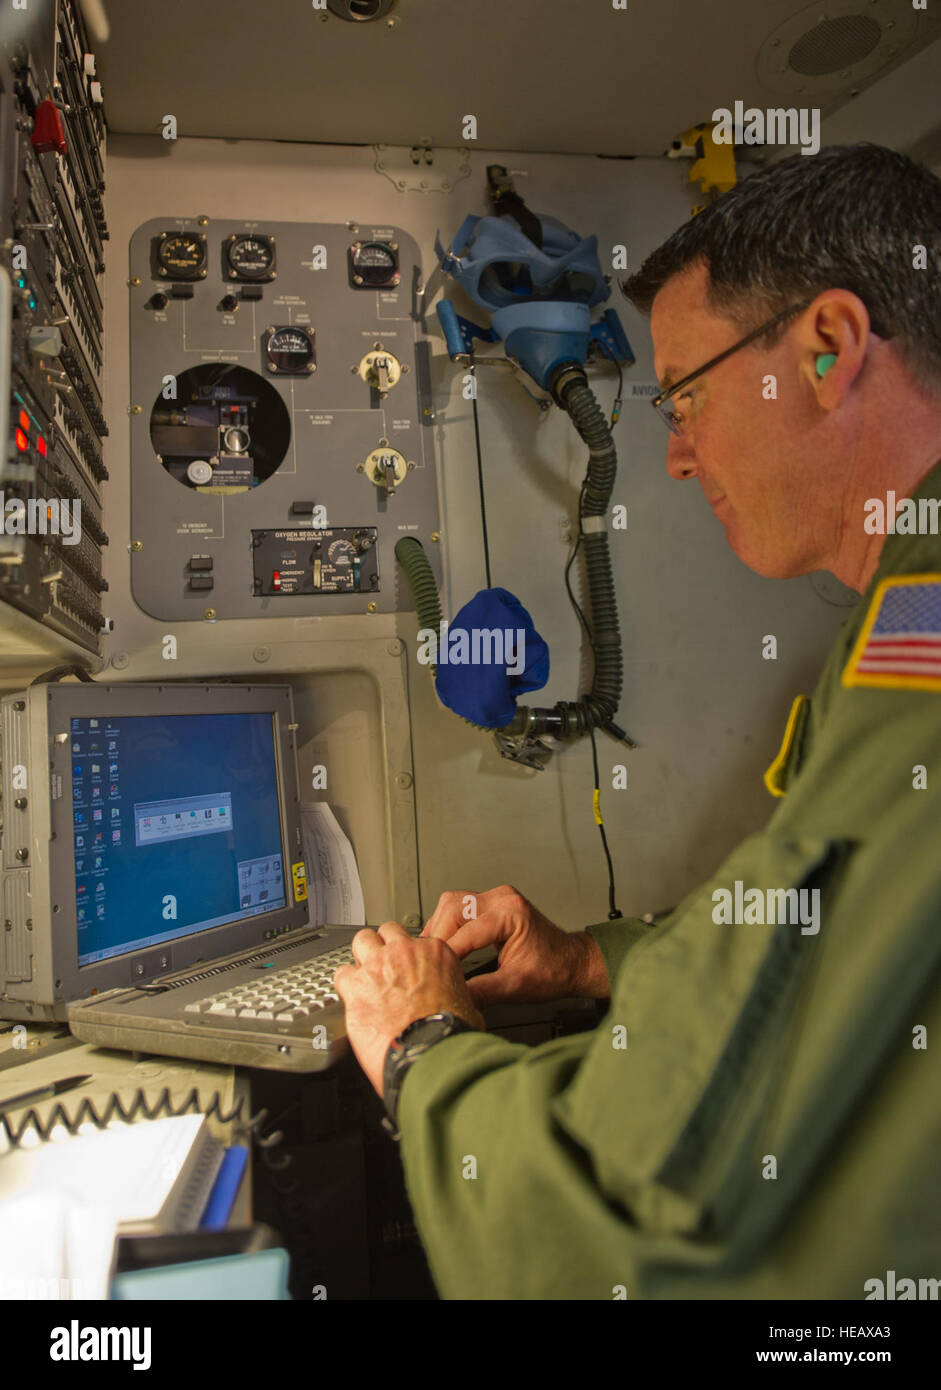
point(435, 1023)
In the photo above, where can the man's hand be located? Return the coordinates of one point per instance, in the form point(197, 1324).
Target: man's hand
point(397, 979)
point(537, 959)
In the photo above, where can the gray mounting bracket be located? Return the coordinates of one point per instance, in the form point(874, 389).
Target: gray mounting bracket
point(420, 169)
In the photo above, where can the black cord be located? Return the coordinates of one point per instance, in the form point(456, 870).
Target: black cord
point(58, 672)
point(30, 1122)
point(480, 472)
point(616, 412)
point(581, 616)
point(613, 909)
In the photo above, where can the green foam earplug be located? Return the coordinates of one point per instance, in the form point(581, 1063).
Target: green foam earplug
point(824, 362)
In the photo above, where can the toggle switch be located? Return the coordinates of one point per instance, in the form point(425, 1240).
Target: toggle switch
point(45, 340)
point(48, 137)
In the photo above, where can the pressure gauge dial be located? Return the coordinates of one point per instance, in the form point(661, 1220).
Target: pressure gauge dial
point(248, 256)
point(289, 351)
point(341, 552)
point(181, 256)
point(374, 265)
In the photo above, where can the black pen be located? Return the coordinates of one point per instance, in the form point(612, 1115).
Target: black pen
point(55, 1088)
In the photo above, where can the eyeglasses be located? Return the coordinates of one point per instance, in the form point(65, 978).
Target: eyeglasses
point(666, 411)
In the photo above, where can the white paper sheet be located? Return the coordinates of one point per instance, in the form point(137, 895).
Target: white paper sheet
point(51, 1248)
point(334, 892)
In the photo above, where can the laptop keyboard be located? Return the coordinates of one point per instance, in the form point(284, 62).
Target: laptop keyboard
point(282, 996)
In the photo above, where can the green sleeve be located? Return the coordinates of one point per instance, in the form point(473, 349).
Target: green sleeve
point(505, 1205)
point(615, 939)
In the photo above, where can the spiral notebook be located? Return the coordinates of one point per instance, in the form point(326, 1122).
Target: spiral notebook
point(150, 1176)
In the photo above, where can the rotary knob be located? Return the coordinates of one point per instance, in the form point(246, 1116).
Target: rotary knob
point(199, 472)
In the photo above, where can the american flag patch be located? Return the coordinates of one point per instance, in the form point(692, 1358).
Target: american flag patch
point(899, 644)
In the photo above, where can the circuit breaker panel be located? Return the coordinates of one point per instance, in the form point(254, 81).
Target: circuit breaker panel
point(281, 414)
point(52, 234)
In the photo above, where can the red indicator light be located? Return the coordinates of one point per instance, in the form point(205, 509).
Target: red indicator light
point(276, 579)
point(41, 446)
point(21, 441)
point(24, 421)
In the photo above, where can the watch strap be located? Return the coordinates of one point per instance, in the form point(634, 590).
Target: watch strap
point(411, 1043)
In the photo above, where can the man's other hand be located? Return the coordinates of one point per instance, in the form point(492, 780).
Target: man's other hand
point(537, 959)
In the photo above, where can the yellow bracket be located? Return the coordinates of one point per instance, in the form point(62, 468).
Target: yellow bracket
point(713, 166)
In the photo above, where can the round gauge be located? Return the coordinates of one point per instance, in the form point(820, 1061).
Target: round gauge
point(249, 256)
point(289, 351)
point(341, 552)
point(374, 264)
point(182, 255)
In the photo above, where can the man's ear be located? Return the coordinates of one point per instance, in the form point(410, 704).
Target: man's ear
point(834, 330)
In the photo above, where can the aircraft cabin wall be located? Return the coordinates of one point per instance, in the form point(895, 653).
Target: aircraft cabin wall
point(426, 799)
point(705, 707)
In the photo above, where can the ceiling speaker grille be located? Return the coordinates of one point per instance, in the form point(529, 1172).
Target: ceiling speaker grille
point(834, 44)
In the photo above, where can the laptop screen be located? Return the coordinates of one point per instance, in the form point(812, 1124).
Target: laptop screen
point(177, 827)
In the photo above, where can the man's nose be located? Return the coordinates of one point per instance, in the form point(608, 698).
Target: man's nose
point(681, 457)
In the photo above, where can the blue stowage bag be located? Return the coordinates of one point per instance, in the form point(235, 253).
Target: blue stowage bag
point(483, 691)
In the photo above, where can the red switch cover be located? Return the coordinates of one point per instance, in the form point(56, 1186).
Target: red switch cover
point(48, 135)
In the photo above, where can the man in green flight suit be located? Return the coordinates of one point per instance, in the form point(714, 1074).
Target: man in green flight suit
point(756, 1116)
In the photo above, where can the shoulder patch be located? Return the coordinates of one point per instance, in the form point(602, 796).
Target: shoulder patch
point(899, 643)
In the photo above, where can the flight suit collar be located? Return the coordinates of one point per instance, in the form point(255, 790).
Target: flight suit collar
point(910, 552)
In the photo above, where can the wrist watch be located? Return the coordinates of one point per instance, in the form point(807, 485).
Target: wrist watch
point(410, 1044)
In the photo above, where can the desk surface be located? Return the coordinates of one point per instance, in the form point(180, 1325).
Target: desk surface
point(47, 1058)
